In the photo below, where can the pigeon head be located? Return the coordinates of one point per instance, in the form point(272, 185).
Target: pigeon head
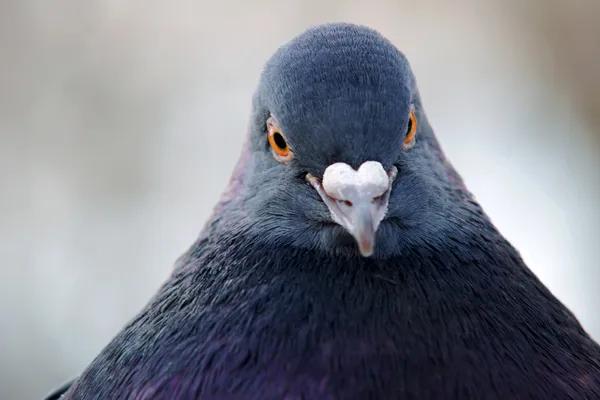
point(340, 155)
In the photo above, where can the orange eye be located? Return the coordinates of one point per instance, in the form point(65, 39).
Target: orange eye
point(278, 143)
point(409, 139)
point(281, 149)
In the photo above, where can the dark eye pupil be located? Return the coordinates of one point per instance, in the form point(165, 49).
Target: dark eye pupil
point(279, 140)
point(410, 124)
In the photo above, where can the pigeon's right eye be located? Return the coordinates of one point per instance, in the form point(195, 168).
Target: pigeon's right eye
point(279, 145)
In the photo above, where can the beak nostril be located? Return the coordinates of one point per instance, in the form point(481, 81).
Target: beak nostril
point(377, 198)
point(346, 202)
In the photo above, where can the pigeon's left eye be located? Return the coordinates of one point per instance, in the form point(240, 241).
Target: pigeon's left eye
point(411, 130)
point(280, 146)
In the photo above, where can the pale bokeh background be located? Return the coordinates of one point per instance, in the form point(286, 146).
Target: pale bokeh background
point(120, 122)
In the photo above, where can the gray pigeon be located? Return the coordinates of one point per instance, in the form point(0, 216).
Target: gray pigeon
point(346, 260)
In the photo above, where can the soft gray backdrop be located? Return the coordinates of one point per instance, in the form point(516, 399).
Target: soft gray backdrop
point(120, 122)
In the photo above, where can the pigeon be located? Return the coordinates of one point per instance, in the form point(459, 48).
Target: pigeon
point(346, 259)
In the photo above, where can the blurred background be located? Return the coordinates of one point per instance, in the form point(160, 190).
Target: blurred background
point(121, 120)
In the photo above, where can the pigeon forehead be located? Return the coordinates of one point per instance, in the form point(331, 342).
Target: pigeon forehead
point(336, 63)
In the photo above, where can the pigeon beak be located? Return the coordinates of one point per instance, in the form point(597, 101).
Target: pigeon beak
point(361, 224)
point(357, 199)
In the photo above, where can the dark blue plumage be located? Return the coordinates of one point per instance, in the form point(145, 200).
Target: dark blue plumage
point(274, 300)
